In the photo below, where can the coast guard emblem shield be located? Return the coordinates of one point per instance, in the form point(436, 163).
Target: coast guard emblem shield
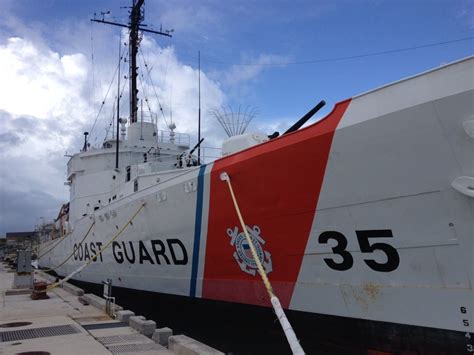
point(243, 254)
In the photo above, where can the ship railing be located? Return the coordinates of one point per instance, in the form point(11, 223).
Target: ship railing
point(164, 136)
point(208, 155)
point(162, 158)
point(174, 137)
point(147, 116)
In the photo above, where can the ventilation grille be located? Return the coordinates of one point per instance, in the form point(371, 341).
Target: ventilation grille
point(126, 338)
point(134, 348)
point(22, 334)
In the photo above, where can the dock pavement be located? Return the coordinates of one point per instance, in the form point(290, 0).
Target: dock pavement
point(67, 324)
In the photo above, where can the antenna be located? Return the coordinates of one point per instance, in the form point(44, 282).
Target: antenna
point(118, 105)
point(199, 110)
point(171, 103)
point(141, 120)
point(234, 122)
point(136, 17)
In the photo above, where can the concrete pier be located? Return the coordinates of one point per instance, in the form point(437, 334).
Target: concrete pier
point(71, 322)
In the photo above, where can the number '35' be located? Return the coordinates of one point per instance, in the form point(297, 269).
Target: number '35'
point(363, 238)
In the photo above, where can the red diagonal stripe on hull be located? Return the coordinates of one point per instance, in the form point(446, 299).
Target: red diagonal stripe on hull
point(277, 185)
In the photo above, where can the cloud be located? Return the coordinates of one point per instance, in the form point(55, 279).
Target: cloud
point(40, 82)
point(185, 17)
point(42, 107)
point(45, 106)
point(465, 13)
point(176, 85)
point(48, 99)
point(176, 88)
point(21, 211)
point(250, 68)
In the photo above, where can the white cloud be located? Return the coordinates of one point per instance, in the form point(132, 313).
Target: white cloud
point(176, 85)
point(252, 67)
point(42, 110)
point(45, 105)
point(466, 14)
point(47, 100)
point(187, 17)
point(39, 82)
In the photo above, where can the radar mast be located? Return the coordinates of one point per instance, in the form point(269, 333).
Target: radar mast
point(137, 15)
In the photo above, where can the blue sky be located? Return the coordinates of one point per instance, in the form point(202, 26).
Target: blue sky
point(242, 31)
point(53, 91)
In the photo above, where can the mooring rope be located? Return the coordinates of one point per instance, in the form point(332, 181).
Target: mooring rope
point(54, 246)
point(70, 256)
point(285, 324)
point(82, 267)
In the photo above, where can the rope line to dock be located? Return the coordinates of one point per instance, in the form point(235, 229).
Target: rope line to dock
point(70, 255)
point(54, 246)
point(93, 258)
point(285, 324)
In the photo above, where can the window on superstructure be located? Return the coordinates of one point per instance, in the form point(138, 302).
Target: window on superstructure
point(127, 178)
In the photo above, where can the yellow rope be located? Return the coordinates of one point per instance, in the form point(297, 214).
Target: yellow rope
point(54, 246)
point(260, 269)
point(53, 285)
point(285, 324)
point(70, 256)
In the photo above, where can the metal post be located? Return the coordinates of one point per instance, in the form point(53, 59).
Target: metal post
point(107, 294)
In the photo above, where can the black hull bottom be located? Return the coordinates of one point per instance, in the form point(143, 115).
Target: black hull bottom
point(243, 329)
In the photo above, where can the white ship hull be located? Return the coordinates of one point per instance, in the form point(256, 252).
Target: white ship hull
point(379, 169)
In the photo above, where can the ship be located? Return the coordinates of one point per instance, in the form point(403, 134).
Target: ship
point(364, 218)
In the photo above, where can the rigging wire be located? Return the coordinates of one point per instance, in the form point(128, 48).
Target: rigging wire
point(148, 105)
point(92, 62)
point(106, 95)
point(107, 129)
point(95, 66)
point(153, 86)
point(114, 110)
point(165, 80)
point(355, 56)
point(142, 80)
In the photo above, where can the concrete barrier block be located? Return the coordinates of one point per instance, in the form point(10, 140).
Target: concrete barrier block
point(161, 335)
point(148, 328)
point(134, 321)
point(94, 300)
point(82, 300)
point(125, 315)
point(183, 345)
point(73, 289)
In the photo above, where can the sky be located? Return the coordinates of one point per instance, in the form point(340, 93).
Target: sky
point(280, 57)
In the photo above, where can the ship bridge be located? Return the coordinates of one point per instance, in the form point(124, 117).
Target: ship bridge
point(144, 152)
